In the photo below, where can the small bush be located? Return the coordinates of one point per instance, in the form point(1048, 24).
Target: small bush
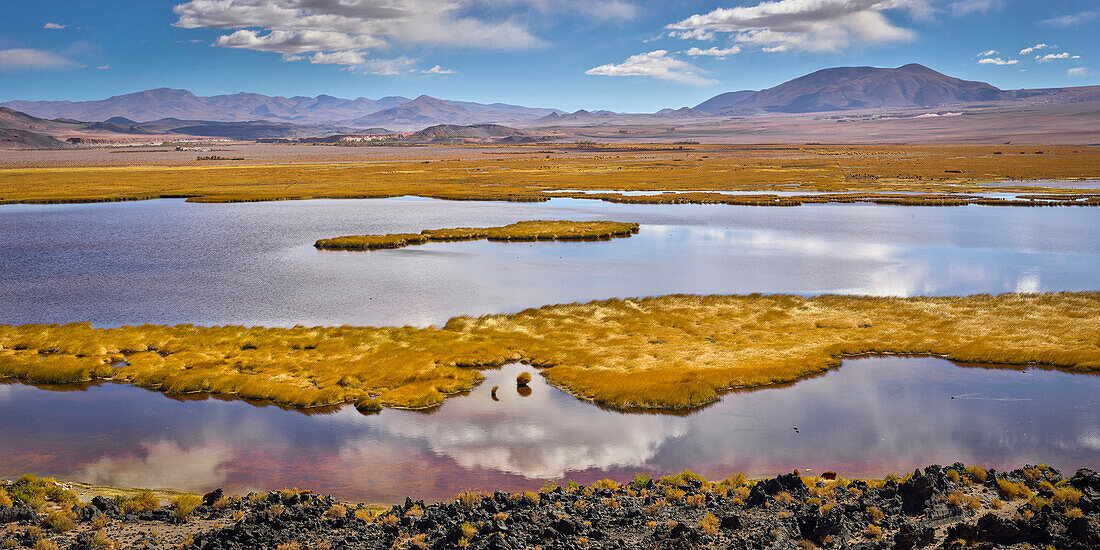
point(874, 531)
point(641, 481)
point(523, 379)
point(292, 545)
point(144, 500)
point(674, 494)
point(1037, 503)
point(784, 497)
point(337, 511)
point(952, 474)
point(183, 505)
point(876, 514)
point(1068, 495)
point(470, 499)
point(977, 473)
point(695, 500)
point(468, 530)
point(60, 521)
point(710, 524)
point(1014, 490)
point(607, 484)
point(501, 516)
point(1074, 512)
point(45, 544)
point(5, 499)
point(532, 497)
point(416, 511)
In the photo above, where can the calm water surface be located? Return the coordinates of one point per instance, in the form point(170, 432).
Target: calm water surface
point(168, 261)
point(871, 416)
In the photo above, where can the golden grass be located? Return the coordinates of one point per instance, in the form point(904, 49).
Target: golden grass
point(534, 230)
point(671, 352)
point(944, 173)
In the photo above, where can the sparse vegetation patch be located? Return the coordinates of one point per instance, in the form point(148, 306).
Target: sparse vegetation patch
point(536, 230)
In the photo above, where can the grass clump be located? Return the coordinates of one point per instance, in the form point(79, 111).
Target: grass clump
point(5, 498)
point(336, 511)
point(710, 524)
point(977, 473)
point(535, 230)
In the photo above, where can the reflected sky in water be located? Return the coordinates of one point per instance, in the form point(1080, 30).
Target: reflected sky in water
point(167, 261)
point(872, 416)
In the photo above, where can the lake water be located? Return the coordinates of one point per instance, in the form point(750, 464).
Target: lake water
point(871, 416)
point(168, 262)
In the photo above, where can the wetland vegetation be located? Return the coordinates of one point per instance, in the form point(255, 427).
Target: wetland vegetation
point(534, 230)
point(663, 353)
point(910, 175)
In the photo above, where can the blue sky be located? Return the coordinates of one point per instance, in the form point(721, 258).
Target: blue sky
point(623, 55)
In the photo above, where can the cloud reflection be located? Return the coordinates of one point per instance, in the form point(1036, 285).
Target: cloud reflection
point(165, 464)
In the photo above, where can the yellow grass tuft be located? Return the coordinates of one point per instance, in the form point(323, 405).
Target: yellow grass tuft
point(183, 505)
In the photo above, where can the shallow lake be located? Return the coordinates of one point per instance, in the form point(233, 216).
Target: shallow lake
point(167, 261)
point(871, 416)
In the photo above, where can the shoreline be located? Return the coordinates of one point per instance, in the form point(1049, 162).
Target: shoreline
point(935, 506)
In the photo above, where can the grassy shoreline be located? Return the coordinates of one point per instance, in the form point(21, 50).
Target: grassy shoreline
point(534, 230)
point(896, 175)
point(666, 353)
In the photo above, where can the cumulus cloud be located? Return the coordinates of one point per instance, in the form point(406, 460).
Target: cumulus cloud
point(438, 70)
point(1052, 56)
point(14, 59)
point(104, 67)
point(693, 34)
point(1071, 20)
point(988, 53)
point(606, 10)
point(54, 26)
point(810, 25)
point(385, 67)
point(337, 58)
point(656, 64)
point(997, 61)
point(720, 53)
point(1035, 48)
point(1077, 71)
point(307, 26)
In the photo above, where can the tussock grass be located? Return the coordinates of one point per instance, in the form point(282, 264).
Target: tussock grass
point(534, 230)
point(664, 353)
point(183, 505)
point(880, 172)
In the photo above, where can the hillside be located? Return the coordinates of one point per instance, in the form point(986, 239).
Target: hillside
point(428, 111)
point(847, 88)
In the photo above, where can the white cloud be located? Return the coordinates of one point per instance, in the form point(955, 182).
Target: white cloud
point(31, 59)
point(988, 53)
point(1077, 71)
point(714, 52)
point(656, 64)
point(693, 34)
point(811, 25)
point(292, 42)
point(604, 10)
point(1037, 47)
point(997, 61)
point(104, 67)
point(438, 70)
point(54, 26)
point(309, 26)
point(385, 67)
point(1071, 20)
point(967, 7)
point(337, 58)
point(1052, 56)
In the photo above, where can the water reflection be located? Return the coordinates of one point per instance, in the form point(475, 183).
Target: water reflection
point(167, 261)
point(870, 417)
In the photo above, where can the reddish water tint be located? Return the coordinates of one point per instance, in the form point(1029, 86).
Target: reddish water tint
point(870, 417)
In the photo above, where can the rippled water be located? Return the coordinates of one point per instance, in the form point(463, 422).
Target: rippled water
point(168, 261)
point(872, 416)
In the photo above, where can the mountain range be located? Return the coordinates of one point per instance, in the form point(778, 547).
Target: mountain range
point(249, 116)
point(168, 103)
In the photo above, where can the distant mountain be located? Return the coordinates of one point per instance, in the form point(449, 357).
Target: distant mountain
point(163, 103)
point(476, 131)
point(846, 88)
point(11, 138)
point(427, 111)
point(722, 102)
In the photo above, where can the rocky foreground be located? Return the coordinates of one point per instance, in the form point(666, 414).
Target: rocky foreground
point(938, 507)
